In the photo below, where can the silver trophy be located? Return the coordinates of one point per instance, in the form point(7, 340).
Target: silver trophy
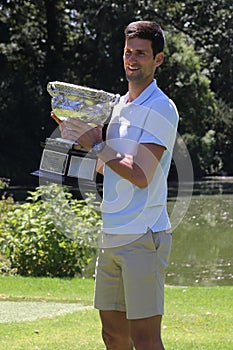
point(74, 101)
point(63, 159)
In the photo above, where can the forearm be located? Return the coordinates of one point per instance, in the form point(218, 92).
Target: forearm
point(124, 165)
point(138, 169)
point(100, 166)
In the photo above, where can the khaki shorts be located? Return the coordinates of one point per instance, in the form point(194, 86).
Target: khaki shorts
point(131, 278)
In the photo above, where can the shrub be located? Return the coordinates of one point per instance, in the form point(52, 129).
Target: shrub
point(50, 234)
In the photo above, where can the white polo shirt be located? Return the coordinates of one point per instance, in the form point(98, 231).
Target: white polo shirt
point(126, 208)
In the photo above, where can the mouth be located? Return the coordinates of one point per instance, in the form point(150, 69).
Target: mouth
point(132, 69)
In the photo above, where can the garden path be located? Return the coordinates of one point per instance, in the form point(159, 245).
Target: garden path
point(17, 311)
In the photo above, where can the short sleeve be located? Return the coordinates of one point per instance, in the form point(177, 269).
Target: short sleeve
point(161, 124)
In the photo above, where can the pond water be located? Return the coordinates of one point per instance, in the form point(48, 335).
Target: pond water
point(203, 234)
point(202, 242)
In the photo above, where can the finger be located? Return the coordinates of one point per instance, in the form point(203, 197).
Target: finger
point(100, 127)
point(69, 134)
point(62, 126)
point(57, 120)
point(77, 123)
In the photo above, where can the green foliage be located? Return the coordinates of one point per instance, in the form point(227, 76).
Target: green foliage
point(51, 234)
point(211, 163)
point(81, 43)
point(182, 78)
point(222, 123)
point(209, 25)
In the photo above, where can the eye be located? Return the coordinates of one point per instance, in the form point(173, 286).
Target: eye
point(127, 53)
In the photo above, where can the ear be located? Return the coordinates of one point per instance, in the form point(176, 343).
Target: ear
point(159, 59)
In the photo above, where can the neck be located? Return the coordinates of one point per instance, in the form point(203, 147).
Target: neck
point(134, 89)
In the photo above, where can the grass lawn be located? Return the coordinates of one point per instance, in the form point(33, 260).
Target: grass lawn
point(195, 317)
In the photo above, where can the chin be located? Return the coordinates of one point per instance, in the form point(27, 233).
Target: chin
point(133, 78)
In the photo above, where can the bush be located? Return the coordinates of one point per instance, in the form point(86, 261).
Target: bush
point(210, 161)
point(51, 234)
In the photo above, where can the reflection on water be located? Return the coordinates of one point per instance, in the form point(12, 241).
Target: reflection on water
point(202, 243)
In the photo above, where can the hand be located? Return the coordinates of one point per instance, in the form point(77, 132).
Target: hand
point(78, 131)
point(57, 120)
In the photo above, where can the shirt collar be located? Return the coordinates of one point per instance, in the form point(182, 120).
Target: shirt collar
point(144, 95)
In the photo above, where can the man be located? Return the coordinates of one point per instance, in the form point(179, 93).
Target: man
point(136, 240)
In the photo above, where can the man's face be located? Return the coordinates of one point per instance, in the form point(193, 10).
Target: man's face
point(139, 63)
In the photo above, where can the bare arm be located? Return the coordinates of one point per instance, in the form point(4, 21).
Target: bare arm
point(100, 166)
point(140, 169)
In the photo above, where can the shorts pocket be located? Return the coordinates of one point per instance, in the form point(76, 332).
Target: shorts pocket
point(162, 244)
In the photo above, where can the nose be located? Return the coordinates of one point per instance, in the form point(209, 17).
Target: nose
point(130, 57)
point(134, 56)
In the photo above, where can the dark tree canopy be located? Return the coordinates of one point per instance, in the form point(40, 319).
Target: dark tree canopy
point(81, 42)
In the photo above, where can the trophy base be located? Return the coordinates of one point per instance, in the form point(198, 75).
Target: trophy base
point(61, 163)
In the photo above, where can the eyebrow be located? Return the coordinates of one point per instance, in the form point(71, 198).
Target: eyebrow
point(137, 50)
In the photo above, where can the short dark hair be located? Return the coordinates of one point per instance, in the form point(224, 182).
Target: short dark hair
point(149, 30)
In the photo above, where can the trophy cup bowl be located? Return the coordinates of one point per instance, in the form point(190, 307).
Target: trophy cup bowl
point(61, 159)
point(74, 101)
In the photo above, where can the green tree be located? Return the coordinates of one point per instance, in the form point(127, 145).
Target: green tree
point(209, 25)
point(181, 77)
point(82, 41)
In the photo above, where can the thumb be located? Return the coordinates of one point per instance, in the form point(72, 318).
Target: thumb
point(100, 126)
